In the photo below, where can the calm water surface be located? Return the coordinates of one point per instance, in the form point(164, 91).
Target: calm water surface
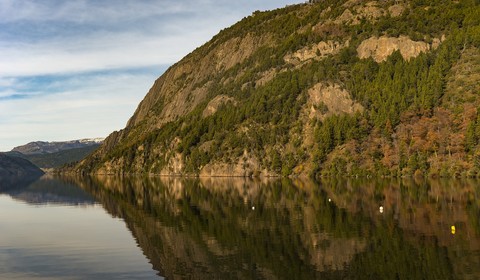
point(149, 228)
point(51, 229)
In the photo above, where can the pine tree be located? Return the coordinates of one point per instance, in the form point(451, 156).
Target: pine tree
point(471, 137)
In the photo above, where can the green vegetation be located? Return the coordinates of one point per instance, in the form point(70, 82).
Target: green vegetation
point(58, 159)
point(15, 168)
point(414, 122)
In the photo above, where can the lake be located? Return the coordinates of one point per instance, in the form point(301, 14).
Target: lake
point(226, 228)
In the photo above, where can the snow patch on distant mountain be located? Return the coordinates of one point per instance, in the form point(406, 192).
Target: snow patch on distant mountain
point(90, 140)
point(42, 147)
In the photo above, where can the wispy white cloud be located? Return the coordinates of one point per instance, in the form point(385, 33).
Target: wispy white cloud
point(6, 82)
point(75, 69)
point(95, 52)
point(84, 11)
point(51, 36)
point(83, 106)
point(159, 42)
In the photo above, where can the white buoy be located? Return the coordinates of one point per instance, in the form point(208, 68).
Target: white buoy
point(253, 207)
point(381, 209)
point(329, 200)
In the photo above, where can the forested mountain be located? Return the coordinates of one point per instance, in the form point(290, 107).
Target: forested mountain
point(16, 167)
point(57, 159)
point(321, 88)
point(48, 155)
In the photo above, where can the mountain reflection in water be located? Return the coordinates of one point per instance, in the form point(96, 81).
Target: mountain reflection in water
point(45, 190)
point(252, 229)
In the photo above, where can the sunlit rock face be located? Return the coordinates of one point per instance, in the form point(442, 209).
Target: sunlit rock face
point(379, 48)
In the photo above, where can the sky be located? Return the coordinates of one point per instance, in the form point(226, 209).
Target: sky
point(78, 69)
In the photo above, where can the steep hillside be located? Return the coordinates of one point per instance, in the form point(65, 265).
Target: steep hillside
point(323, 88)
point(16, 167)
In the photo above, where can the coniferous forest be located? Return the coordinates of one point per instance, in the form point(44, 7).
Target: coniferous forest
point(419, 113)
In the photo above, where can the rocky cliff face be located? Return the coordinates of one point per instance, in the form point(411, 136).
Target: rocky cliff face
point(185, 85)
point(294, 90)
point(316, 51)
point(381, 48)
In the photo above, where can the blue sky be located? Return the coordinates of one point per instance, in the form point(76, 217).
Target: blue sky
point(78, 69)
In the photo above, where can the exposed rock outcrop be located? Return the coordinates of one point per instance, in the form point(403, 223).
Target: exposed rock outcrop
point(317, 51)
point(247, 166)
point(175, 166)
point(216, 103)
point(266, 77)
point(185, 85)
point(236, 50)
point(379, 48)
point(326, 99)
point(356, 11)
point(396, 10)
point(370, 11)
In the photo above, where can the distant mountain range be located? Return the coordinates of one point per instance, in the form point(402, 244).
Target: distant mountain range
point(41, 147)
point(47, 155)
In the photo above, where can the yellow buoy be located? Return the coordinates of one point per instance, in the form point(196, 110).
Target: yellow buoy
point(453, 229)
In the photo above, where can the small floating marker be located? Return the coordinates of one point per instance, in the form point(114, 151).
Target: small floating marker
point(453, 229)
point(329, 200)
point(381, 209)
point(253, 207)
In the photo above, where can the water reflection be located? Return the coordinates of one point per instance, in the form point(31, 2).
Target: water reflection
point(12, 182)
point(439, 216)
point(45, 190)
point(252, 229)
point(67, 237)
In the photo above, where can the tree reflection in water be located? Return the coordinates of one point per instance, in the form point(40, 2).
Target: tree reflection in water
point(282, 229)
